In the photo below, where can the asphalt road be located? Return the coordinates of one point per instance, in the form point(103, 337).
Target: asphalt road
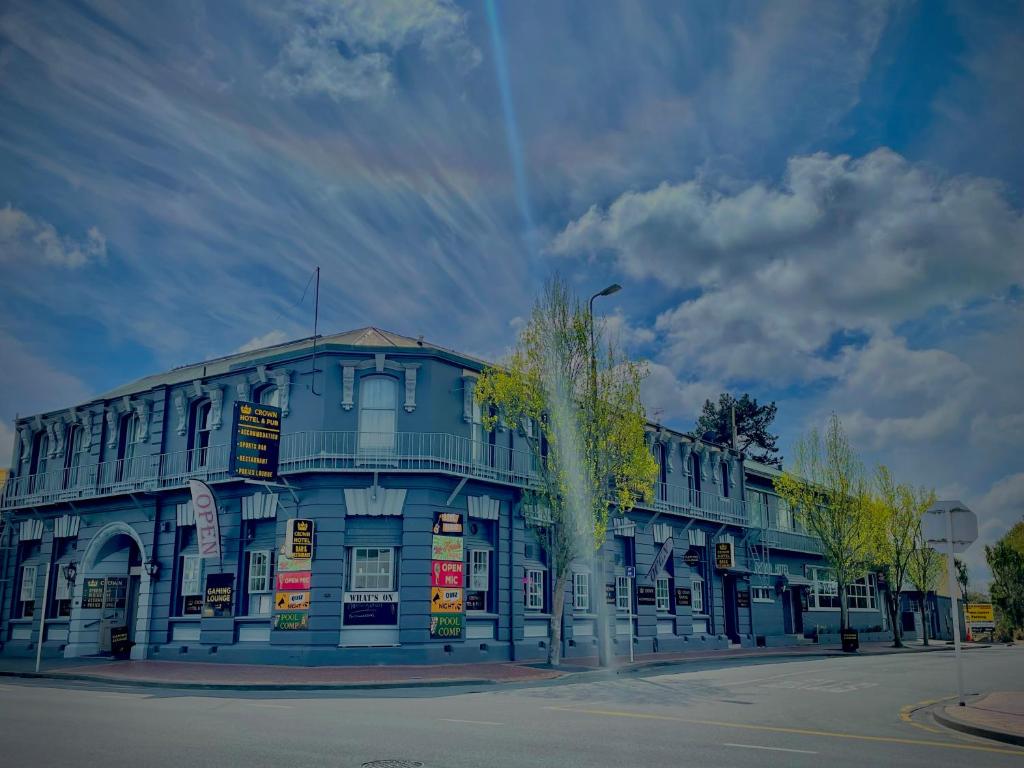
point(815, 712)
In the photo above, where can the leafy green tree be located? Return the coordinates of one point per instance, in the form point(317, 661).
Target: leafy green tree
point(897, 510)
point(827, 489)
point(963, 577)
point(925, 571)
point(1006, 560)
point(582, 443)
point(753, 421)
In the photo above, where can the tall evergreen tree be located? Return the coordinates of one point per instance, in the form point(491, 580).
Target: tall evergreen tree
point(752, 423)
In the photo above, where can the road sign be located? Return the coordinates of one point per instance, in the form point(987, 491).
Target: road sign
point(935, 526)
point(630, 571)
point(980, 616)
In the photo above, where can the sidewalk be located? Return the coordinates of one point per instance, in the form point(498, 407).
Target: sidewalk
point(211, 676)
point(998, 716)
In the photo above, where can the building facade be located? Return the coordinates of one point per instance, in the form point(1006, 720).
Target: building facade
point(380, 433)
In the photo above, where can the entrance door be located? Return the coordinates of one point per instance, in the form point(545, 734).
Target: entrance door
point(115, 602)
point(797, 607)
point(132, 613)
point(731, 611)
point(788, 613)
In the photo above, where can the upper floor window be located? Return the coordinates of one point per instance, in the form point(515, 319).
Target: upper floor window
point(131, 430)
point(199, 435)
point(74, 447)
point(783, 516)
point(725, 479)
point(269, 395)
point(661, 455)
point(40, 453)
point(377, 405)
point(693, 479)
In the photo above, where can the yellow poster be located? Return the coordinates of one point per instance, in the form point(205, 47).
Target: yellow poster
point(979, 613)
point(443, 600)
point(291, 601)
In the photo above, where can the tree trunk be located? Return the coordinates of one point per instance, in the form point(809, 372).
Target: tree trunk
point(893, 602)
point(844, 609)
point(557, 607)
point(924, 619)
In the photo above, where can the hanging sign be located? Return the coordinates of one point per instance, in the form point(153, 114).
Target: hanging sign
point(255, 441)
point(446, 626)
point(298, 541)
point(293, 582)
point(743, 599)
point(446, 573)
point(291, 620)
point(120, 644)
point(476, 601)
point(445, 600)
point(287, 564)
point(192, 605)
point(370, 608)
point(220, 594)
point(448, 523)
point(207, 520)
point(664, 555)
point(724, 555)
point(291, 601)
point(645, 595)
point(92, 594)
point(609, 594)
point(446, 548)
point(693, 556)
point(684, 597)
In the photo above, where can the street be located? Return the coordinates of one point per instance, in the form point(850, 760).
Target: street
point(810, 712)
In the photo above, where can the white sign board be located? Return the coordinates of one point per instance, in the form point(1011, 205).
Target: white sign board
point(936, 522)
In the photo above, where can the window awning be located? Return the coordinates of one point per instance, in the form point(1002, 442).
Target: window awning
point(483, 507)
point(30, 530)
point(259, 506)
point(186, 514)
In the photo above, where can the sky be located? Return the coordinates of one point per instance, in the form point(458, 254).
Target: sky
point(817, 203)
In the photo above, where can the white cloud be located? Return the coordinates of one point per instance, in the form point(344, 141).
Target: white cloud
point(6, 444)
point(669, 400)
point(27, 239)
point(31, 384)
point(999, 509)
point(268, 339)
point(347, 50)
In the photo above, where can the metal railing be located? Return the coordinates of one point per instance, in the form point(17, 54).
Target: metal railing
point(693, 503)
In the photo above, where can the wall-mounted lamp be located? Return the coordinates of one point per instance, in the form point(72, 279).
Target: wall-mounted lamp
point(70, 572)
point(152, 567)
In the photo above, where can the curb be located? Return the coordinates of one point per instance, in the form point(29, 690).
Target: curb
point(976, 730)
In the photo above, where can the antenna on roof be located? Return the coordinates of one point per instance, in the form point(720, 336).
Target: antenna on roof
point(316, 320)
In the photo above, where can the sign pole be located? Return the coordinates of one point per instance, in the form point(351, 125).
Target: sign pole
point(631, 588)
point(42, 615)
point(951, 568)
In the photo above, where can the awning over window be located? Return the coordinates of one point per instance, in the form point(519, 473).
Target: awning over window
point(483, 507)
point(66, 527)
point(30, 530)
point(186, 514)
point(375, 501)
point(259, 506)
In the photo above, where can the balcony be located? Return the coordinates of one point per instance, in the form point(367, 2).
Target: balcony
point(318, 451)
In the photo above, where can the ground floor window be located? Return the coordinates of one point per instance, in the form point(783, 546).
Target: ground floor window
point(534, 593)
point(824, 591)
point(478, 580)
point(258, 583)
point(191, 591)
point(61, 594)
point(862, 594)
point(698, 594)
point(372, 569)
point(661, 601)
point(622, 601)
point(761, 594)
point(581, 592)
point(27, 595)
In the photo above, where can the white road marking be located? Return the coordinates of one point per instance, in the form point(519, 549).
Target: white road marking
point(264, 704)
point(773, 749)
point(472, 722)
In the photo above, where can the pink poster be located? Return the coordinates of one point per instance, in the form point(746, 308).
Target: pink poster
point(446, 573)
point(289, 582)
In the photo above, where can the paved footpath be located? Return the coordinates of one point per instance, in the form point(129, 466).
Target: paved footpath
point(214, 676)
point(998, 716)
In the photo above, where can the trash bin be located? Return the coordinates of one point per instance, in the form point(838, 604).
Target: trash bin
point(851, 640)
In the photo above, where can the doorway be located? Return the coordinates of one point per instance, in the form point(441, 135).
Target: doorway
point(796, 608)
point(731, 609)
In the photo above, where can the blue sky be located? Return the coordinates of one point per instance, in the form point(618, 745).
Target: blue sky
point(819, 203)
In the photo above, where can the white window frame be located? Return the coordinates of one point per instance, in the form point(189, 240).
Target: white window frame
point(822, 588)
point(862, 595)
point(697, 595)
point(270, 395)
point(28, 584)
point(783, 515)
point(191, 575)
point(62, 591)
point(378, 580)
point(478, 573)
point(581, 591)
point(259, 580)
point(377, 443)
point(533, 594)
point(762, 595)
point(661, 595)
point(622, 599)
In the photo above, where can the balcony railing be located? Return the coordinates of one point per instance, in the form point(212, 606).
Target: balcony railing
point(320, 451)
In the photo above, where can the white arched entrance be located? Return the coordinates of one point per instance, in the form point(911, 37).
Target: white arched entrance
point(115, 553)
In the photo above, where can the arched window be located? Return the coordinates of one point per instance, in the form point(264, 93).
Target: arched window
point(694, 480)
point(40, 456)
point(725, 479)
point(377, 404)
point(74, 454)
point(662, 459)
point(199, 435)
point(269, 395)
point(127, 445)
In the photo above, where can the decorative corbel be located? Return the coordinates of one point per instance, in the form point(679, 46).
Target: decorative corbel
point(410, 386)
point(735, 467)
point(348, 385)
point(197, 388)
point(85, 419)
point(243, 391)
point(283, 381)
point(111, 416)
point(182, 411)
point(686, 448)
point(670, 448)
point(261, 374)
point(468, 395)
point(51, 435)
point(25, 441)
point(216, 394)
point(58, 436)
point(142, 410)
point(716, 460)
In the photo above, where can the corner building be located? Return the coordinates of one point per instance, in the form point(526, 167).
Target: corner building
point(99, 530)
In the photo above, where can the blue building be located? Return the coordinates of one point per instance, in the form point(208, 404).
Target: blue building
point(380, 432)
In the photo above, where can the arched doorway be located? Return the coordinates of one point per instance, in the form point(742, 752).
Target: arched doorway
point(112, 590)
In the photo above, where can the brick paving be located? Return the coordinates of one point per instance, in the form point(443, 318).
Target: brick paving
point(998, 715)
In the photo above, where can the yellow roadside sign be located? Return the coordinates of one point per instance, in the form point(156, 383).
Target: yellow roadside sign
point(979, 613)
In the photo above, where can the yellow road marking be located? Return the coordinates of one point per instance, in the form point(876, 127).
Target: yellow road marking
point(799, 731)
point(907, 714)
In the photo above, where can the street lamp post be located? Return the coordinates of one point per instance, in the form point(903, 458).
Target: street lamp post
point(603, 651)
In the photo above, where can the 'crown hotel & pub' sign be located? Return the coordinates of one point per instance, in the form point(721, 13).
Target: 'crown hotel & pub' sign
point(255, 441)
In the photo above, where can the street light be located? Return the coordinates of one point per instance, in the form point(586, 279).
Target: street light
point(602, 626)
